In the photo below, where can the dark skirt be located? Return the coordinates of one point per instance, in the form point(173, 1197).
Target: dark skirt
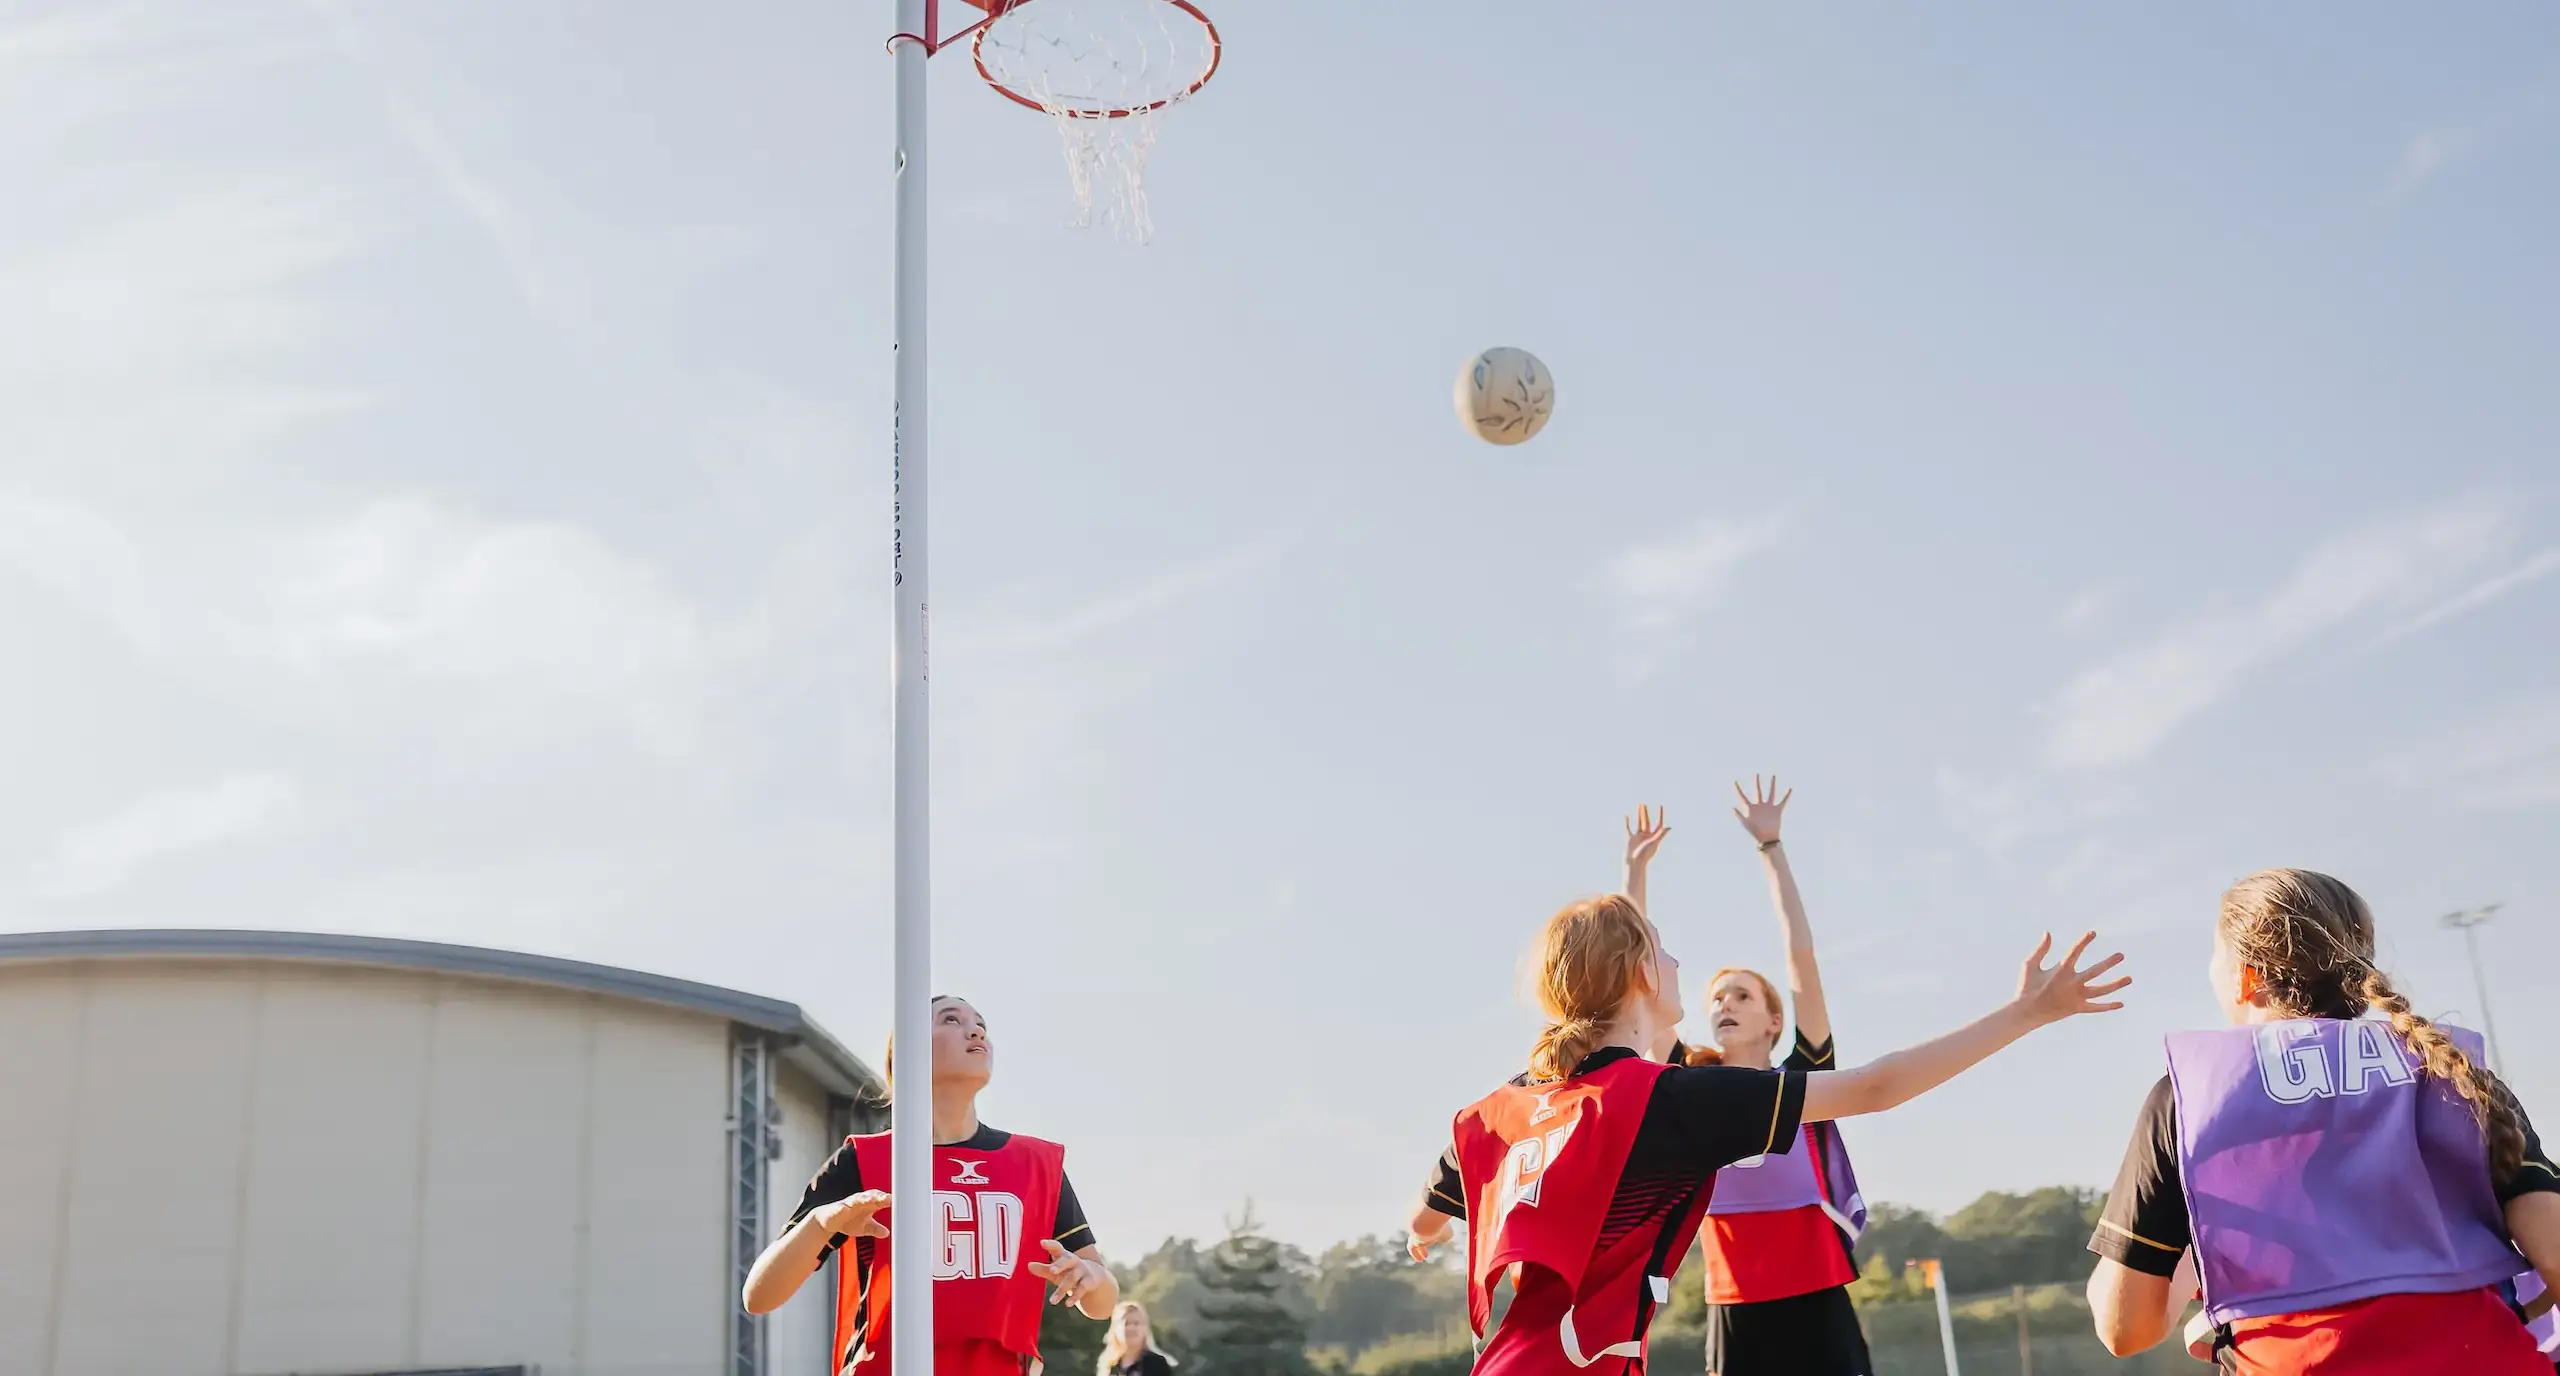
point(1804, 1335)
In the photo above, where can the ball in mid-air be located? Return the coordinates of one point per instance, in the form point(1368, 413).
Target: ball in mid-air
point(1505, 395)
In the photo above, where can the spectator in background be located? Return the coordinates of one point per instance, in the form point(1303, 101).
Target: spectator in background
point(1130, 1348)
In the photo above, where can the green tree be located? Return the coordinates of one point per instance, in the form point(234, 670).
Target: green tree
point(1897, 1234)
point(1167, 1282)
point(1247, 1325)
point(1367, 1292)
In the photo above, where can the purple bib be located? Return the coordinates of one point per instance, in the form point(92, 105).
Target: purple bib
point(1784, 1180)
point(2546, 1328)
point(2322, 1167)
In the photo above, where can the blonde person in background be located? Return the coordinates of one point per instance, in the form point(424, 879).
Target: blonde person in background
point(1129, 1349)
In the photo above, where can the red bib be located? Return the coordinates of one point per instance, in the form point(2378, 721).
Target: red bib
point(994, 1210)
point(1753, 1257)
point(1540, 1165)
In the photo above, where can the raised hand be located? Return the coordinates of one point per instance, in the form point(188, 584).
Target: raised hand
point(1071, 1274)
point(1645, 831)
point(1763, 808)
point(854, 1215)
point(2048, 994)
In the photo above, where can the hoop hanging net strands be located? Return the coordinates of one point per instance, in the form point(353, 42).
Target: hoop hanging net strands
point(1103, 71)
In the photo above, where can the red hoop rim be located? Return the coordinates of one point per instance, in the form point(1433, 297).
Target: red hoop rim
point(977, 54)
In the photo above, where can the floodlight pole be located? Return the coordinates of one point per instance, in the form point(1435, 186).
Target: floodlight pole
point(2466, 922)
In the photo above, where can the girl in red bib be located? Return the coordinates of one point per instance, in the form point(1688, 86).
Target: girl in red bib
point(1011, 1230)
point(1584, 1181)
point(1780, 1227)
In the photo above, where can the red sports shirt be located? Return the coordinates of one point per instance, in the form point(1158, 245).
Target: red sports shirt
point(994, 1208)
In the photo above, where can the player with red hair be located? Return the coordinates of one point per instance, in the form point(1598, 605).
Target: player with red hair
point(1780, 1226)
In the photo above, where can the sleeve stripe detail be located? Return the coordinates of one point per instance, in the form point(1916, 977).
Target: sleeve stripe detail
point(2114, 1227)
point(1439, 1193)
point(1777, 1110)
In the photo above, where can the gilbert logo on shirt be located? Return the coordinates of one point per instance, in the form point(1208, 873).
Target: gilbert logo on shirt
point(967, 1173)
point(1546, 1108)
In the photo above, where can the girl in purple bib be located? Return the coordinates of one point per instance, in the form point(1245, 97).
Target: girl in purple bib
point(2353, 1193)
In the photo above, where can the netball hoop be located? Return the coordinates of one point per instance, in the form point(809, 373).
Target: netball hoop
point(1103, 71)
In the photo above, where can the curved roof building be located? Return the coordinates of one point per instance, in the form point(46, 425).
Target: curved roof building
point(236, 1153)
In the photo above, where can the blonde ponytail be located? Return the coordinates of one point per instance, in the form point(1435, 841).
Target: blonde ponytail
point(2491, 1104)
point(1562, 1046)
point(1590, 956)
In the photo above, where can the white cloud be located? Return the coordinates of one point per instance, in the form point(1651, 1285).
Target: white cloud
point(147, 296)
point(2425, 154)
point(133, 350)
point(540, 605)
point(2506, 760)
point(98, 857)
point(2478, 595)
point(1019, 705)
point(533, 615)
point(1102, 614)
point(549, 284)
point(84, 558)
point(63, 73)
point(1995, 813)
point(2124, 708)
point(1658, 585)
point(2083, 612)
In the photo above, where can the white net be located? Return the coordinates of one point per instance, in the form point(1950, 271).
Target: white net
point(1103, 71)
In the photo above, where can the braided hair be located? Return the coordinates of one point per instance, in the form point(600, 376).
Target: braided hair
point(2310, 938)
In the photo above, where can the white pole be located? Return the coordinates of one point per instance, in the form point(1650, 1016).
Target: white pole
point(1946, 1321)
point(912, 1217)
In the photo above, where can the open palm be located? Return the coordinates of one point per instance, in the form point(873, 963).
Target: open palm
point(1645, 831)
point(1763, 809)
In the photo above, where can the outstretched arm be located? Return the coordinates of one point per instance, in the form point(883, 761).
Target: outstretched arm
point(1645, 831)
point(1430, 1228)
point(1763, 809)
point(791, 1258)
point(2045, 995)
point(1437, 1215)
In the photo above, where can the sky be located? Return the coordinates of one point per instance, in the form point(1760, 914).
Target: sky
point(444, 494)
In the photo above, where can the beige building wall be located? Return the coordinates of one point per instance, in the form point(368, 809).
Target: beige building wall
point(238, 1168)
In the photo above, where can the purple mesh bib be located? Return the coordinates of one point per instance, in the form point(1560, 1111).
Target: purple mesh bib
point(2322, 1166)
point(1785, 1180)
point(2545, 1327)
